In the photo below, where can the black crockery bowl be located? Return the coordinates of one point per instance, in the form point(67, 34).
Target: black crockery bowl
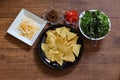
point(55, 65)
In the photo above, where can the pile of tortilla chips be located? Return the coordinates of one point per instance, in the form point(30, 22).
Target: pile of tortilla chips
point(61, 45)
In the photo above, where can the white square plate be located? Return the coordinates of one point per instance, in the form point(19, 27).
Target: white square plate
point(37, 21)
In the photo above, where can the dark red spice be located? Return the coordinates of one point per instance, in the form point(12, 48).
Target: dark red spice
point(52, 16)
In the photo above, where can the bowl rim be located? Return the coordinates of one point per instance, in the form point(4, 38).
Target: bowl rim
point(82, 14)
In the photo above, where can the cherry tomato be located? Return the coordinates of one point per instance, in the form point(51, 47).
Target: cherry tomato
point(71, 16)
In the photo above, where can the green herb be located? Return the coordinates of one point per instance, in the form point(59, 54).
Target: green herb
point(95, 24)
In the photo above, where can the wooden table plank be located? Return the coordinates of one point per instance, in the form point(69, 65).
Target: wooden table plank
point(18, 61)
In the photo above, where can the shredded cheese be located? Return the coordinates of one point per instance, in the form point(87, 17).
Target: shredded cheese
point(28, 28)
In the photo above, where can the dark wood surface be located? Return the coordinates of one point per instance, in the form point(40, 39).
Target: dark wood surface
point(18, 61)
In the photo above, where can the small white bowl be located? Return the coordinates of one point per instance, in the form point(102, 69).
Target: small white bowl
point(81, 15)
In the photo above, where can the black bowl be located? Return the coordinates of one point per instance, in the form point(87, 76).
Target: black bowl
point(55, 65)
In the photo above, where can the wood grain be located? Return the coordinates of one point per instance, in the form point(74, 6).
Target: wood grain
point(18, 61)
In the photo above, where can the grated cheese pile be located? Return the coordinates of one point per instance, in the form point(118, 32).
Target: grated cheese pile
point(28, 28)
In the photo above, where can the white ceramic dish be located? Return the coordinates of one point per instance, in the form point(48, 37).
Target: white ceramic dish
point(37, 21)
point(81, 15)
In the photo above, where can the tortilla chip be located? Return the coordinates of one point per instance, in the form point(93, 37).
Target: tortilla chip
point(76, 49)
point(70, 35)
point(44, 47)
point(59, 58)
point(61, 32)
point(72, 41)
point(69, 57)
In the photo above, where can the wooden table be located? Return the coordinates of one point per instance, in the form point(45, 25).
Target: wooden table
point(18, 61)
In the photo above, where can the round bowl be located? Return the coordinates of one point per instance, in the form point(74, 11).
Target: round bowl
point(55, 65)
point(81, 15)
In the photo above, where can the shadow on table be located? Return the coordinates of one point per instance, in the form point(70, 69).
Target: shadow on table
point(50, 71)
point(16, 42)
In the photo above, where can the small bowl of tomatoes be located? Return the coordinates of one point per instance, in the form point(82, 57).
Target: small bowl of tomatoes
point(71, 16)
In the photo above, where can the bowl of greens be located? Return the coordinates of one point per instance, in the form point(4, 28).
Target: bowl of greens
point(94, 24)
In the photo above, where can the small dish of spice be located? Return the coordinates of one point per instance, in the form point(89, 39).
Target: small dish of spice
point(52, 16)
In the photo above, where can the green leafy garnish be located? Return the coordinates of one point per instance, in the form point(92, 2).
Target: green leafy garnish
point(94, 24)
